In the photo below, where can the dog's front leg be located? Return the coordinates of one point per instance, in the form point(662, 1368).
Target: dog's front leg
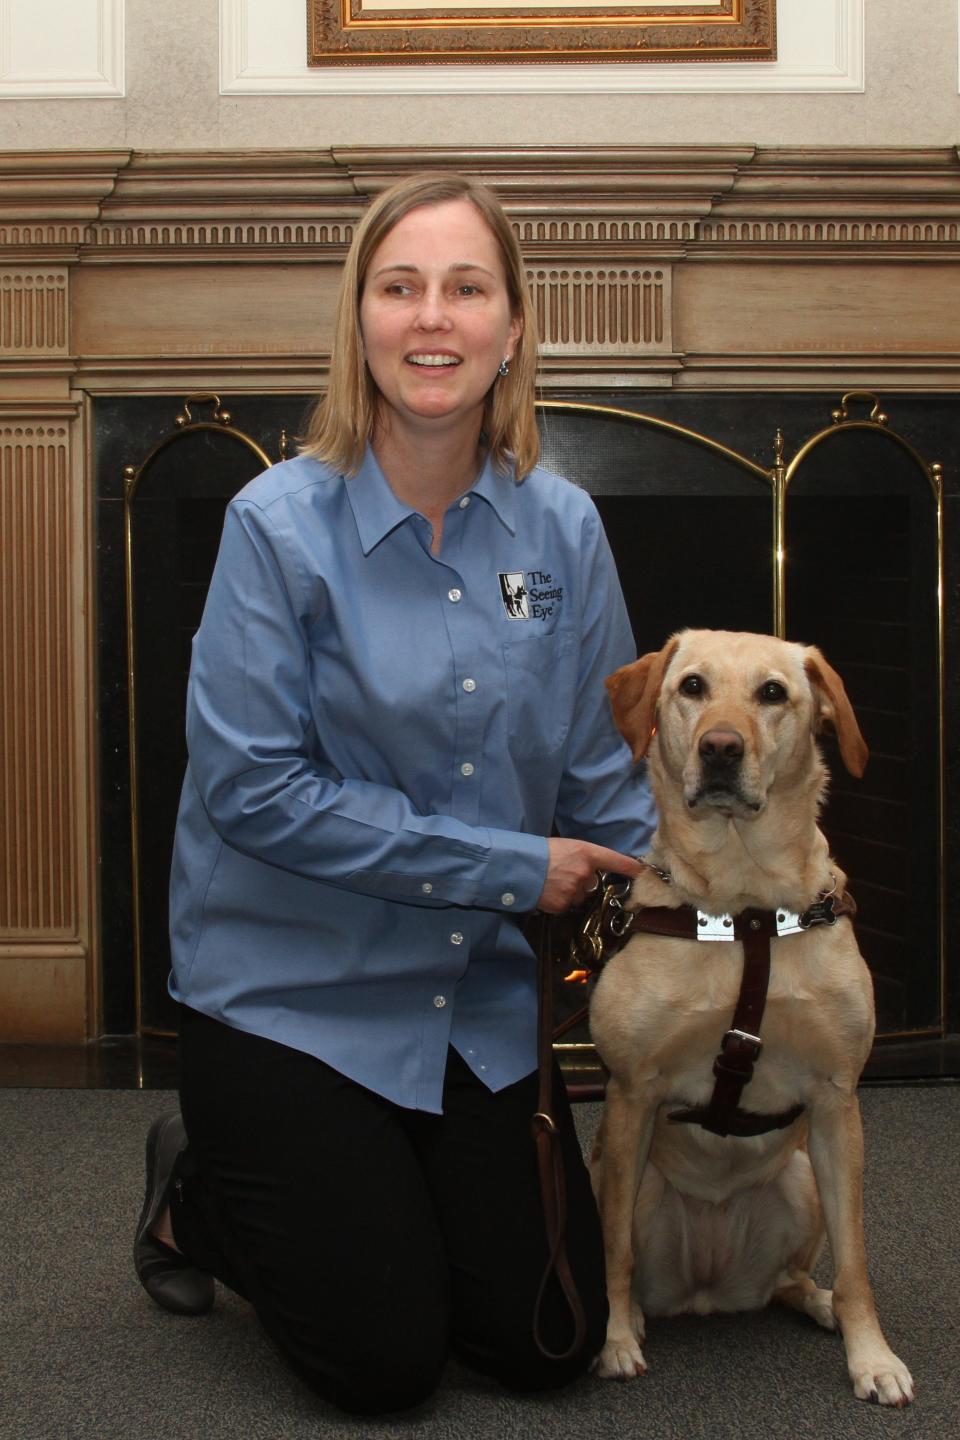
point(836, 1152)
point(618, 1161)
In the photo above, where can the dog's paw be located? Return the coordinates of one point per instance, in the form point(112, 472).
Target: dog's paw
point(620, 1359)
point(886, 1382)
point(819, 1306)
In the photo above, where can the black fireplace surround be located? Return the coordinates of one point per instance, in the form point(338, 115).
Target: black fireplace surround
point(692, 536)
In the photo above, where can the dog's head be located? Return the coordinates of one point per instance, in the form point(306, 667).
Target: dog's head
point(734, 714)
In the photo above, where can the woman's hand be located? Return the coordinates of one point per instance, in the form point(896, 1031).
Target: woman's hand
point(572, 872)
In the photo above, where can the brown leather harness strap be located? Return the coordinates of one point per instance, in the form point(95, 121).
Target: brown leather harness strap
point(741, 1045)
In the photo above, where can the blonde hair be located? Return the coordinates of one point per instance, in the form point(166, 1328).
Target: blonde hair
point(340, 426)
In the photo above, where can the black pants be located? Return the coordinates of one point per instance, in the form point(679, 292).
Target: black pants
point(370, 1238)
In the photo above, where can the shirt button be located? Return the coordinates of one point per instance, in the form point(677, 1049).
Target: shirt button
point(454, 595)
point(508, 898)
point(439, 1001)
point(469, 686)
point(466, 768)
point(426, 888)
point(456, 938)
point(464, 502)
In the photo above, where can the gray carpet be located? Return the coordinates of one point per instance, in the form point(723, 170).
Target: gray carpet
point(84, 1355)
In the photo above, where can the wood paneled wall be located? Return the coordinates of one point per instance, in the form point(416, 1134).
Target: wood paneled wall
point(722, 267)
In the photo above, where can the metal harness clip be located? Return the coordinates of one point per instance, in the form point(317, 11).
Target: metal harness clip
point(714, 927)
point(788, 923)
point(605, 919)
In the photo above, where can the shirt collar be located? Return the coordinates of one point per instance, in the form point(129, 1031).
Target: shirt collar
point(377, 511)
point(499, 488)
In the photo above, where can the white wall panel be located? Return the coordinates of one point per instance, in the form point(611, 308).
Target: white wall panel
point(52, 49)
point(263, 47)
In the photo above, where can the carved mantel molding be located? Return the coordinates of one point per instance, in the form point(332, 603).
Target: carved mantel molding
point(629, 249)
point(707, 267)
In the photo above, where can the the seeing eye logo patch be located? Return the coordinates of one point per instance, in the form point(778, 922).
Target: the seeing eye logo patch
point(513, 592)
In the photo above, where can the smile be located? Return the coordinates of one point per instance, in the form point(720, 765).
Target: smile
point(433, 362)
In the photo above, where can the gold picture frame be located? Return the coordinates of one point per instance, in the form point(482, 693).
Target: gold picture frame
point(405, 32)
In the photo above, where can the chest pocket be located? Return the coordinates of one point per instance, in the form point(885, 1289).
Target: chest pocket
point(541, 685)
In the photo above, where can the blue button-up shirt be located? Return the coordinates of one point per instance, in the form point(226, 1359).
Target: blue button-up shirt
point(380, 740)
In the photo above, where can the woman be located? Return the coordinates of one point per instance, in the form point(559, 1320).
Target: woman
point(399, 745)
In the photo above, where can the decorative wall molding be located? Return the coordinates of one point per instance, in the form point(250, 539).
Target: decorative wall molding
point(213, 235)
point(92, 207)
point(49, 199)
point(832, 232)
point(248, 201)
point(561, 200)
point(603, 311)
point(820, 49)
point(135, 226)
point(81, 56)
point(33, 312)
point(868, 199)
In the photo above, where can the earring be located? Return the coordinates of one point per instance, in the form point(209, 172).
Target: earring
point(504, 368)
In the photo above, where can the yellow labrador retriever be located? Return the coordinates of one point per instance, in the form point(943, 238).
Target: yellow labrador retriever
point(724, 1152)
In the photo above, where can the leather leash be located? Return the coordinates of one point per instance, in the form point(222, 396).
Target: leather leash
point(553, 1185)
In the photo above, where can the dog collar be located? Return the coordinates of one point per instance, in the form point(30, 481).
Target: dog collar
point(787, 922)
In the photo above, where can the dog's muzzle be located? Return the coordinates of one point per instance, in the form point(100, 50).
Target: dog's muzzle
point(721, 751)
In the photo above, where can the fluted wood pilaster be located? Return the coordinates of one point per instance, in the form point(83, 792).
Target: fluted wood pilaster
point(38, 838)
point(33, 311)
point(44, 980)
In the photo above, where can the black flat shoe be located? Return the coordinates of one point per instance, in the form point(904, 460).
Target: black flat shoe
point(167, 1276)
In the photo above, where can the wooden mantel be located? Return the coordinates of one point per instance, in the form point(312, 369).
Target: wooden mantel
point(704, 267)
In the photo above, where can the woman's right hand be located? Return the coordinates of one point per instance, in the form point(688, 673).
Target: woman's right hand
point(572, 867)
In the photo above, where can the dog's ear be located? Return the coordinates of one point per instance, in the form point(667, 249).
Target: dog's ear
point(835, 711)
point(634, 691)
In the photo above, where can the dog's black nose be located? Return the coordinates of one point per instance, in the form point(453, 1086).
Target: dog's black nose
point(721, 746)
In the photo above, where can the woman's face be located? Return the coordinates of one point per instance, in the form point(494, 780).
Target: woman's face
point(435, 316)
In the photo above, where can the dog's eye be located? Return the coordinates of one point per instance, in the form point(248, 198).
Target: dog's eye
point(692, 685)
point(772, 693)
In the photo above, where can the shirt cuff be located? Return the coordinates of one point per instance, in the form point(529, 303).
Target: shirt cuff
point(515, 872)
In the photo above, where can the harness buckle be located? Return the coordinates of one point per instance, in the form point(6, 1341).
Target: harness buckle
point(740, 1045)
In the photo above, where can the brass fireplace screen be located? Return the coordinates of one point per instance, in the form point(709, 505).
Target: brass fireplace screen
point(840, 545)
